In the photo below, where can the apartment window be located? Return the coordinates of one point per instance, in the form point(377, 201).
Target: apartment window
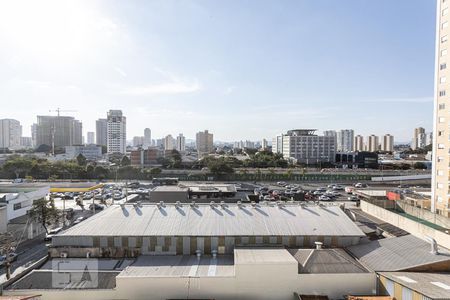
point(440, 173)
point(443, 79)
point(440, 186)
point(439, 199)
point(442, 93)
point(17, 206)
point(442, 106)
point(444, 52)
point(444, 38)
point(440, 159)
point(445, 11)
point(441, 119)
point(441, 146)
point(443, 66)
point(440, 133)
point(444, 25)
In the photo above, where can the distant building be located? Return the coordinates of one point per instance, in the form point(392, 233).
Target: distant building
point(138, 141)
point(101, 132)
point(387, 144)
point(90, 152)
point(181, 143)
point(10, 133)
point(419, 138)
point(26, 142)
point(372, 143)
point(264, 144)
point(145, 157)
point(116, 132)
point(160, 143)
point(357, 160)
point(204, 143)
point(332, 133)
point(61, 131)
point(345, 140)
point(34, 135)
point(147, 138)
point(305, 147)
point(91, 137)
point(169, 143)
point(358, 144)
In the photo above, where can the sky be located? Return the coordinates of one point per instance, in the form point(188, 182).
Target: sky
point(242, 69)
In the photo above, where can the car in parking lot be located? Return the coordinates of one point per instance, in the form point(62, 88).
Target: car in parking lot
point(353, 198)
point(324, 198)
point(281, 183)
point(95, 206)
point(78, 220)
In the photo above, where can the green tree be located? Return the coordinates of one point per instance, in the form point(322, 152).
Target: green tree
point(44, 212)
point(420, 166)
point(155, 171)
point(81, 160)
point(18, 166)
point(125, 161)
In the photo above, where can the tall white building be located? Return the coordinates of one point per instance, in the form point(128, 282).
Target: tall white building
point(304, 146)
point(345, 140)
point(204, 142)
point(264, 144)
point(387, 143)
point(91, 137)
point(181, 143)
point(101, 130)
point(147, 138)
point(34, 135)
point(10, 133)
point(138, 141)
point(169, 142)
point(372, 143)
point(116, 132)
point(330, 133)
point(419, 138)
point(358, 144)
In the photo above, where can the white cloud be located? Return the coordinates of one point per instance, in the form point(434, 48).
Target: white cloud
point(168, 88)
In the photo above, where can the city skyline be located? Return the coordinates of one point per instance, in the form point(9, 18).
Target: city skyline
point(279, 77)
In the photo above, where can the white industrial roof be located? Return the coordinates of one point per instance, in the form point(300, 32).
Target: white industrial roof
point(227, 220)
point(267, 256)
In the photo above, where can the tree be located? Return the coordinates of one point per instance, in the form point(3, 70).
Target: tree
point(155, 171)
point(100, 172)
point(420, 166)
point(125, 161)
point(81, 160)
point(44, 212)
point(18, 166)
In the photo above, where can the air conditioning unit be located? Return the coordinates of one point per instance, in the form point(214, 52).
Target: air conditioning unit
point(63, 254)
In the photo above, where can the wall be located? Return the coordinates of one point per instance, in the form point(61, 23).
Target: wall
point(3, 219)
point(424, 214)
point(404, 223)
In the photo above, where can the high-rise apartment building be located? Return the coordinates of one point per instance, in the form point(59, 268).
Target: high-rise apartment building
point(169, 142)
point(387, 143)
point(204, 142)
point(264, 144)
point(116, 127)
point(101, 132)
point(440, 202)
point(10, 134)
point(345, 140)
point(181, 143)
point(138, 141)
point(419, 138)
point(330, 133)
point(34, 135)
point(304, 146)
point(373, 143)
point(58, 131)
point(90, 137)
point(358, 144)
point(147, 138)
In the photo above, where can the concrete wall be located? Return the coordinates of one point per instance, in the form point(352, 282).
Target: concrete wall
point(404, 223)
point(424, 214)
point(3, 219)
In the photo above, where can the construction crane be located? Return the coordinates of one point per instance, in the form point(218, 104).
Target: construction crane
point(58, 110)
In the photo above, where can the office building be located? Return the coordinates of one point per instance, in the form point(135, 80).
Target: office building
point(181, 143)
point(264, 144)
point(58, 131)
point(358, 144)
point(33, 135)
point(169, 143)
point(91, 137)
point(305, 147)
point(138, 141)
point(26, 142)
point(147, 138)
point(387, 144)
point(204, 143)
point(345, 140)
point(419, 138)
point(10, 134)
point(101, 132)
point(145, 157)
point(372, 143)
point(440, 202)
point(332, 133)
point(357, 160)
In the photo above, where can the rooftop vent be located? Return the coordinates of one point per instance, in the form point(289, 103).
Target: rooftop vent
point(280, 204)
point(139, 203)
point(161, 203)
point(214, 253)
point(198, 253)
point(212, 204)
point(253, 204)
point(122, 205)
point(223, 204)
point(193, 204)
point(178, 204)
point(239, 204)
point(434, 245)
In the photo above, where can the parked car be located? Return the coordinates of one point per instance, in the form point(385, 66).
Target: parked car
point(324, 198)
point(338, 188)
point(11, 257)
point(281, 183)
point(96, 206)
point(78, 220)
point(52, 233)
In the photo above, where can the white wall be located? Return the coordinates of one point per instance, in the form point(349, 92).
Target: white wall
point(3, 219)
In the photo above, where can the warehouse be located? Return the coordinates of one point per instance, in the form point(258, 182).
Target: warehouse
point(183, 229)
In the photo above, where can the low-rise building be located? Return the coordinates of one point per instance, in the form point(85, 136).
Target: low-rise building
point(90, 152)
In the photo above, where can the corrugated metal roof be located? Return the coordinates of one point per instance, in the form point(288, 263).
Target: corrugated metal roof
point(229, 220)
point(180, 266)
point(326, 261)
point(397, 254)
point(432, 285)
point(267, 256)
